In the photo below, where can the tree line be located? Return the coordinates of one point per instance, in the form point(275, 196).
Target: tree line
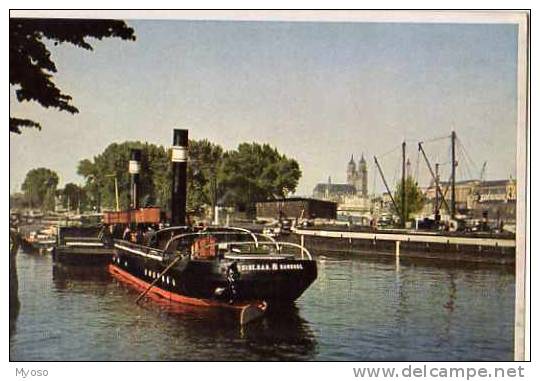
point(238, 178)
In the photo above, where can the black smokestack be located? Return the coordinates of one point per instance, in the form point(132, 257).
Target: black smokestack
point(134, 170)
point(179, 184)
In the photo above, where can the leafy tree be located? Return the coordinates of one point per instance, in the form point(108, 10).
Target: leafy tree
point(156, 161)
point(39, 188)
point(113, 162)
point(203, 167)
point(240, 177)
point(155, 178)
point(31, 68)
point(73, 197)
point(255, 172)
point(414, 198)
point(87, 169)
point(49, 201)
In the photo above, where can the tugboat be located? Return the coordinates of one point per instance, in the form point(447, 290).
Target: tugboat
point(223, 267)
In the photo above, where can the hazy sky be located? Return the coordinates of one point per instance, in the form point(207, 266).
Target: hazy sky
point(317, 91)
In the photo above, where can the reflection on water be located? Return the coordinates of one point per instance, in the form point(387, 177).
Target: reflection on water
point(414, 312)
point(358, 309)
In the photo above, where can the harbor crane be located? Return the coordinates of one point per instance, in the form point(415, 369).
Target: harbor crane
point(452, 207)
point(435, 177)
point(402, 209)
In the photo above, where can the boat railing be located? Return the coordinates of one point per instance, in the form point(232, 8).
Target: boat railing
point(139, 247)
point(256, 241)
point(234, 229)
point(304, 253)
point(173, 228)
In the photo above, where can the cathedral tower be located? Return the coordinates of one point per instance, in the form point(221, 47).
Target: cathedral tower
point(362, 177)
point(351, 172)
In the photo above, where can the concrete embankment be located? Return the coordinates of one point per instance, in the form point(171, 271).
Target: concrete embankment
point(414, 245)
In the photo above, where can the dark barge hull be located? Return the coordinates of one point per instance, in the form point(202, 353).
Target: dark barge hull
point(274, 281)
point(77, 255)
point(451, 252)
point(82, 246)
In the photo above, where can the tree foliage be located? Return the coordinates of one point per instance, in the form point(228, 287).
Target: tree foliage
point(255, 172)
point(238, 178)
point(203, 168)
point(156, 174)
point(39, 188)
point(100, 173)
point(73, 197)
point(31, 68)
point(414, 198)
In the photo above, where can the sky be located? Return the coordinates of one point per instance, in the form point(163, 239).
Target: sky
point(318, 92)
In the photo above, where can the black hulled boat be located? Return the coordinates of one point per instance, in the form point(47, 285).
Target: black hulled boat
point(213, 266)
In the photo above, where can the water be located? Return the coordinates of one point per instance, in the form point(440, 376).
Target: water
point(358, 309)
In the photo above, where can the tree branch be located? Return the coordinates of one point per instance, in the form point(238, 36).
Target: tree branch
point(30, 66)
point(15, 124)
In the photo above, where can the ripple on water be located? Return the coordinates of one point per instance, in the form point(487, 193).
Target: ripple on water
point(358, 309)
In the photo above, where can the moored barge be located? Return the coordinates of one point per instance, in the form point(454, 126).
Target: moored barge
point(83, 245)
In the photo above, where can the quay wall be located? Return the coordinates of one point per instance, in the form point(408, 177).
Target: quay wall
point(439, 247)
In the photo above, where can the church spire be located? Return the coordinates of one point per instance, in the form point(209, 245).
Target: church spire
point(351, 171)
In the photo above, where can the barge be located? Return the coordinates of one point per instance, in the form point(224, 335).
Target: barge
point(421, 245)
point(85, 245)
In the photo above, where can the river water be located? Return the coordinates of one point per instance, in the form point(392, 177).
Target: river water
point(360, 308)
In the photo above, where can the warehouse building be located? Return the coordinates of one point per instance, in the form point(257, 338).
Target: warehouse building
point(296, 208)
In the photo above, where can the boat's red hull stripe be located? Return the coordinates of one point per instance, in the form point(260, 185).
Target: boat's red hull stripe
point(172, 296)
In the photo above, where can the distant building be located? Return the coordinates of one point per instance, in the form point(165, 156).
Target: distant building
point(497, 198)
point(357, 208)
point(333, 192)
point(355, 187)
point(385, 201)
point(497, 190)
point(351, 197)
point(296, 208)
point(358, 177)
point(465, 193)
